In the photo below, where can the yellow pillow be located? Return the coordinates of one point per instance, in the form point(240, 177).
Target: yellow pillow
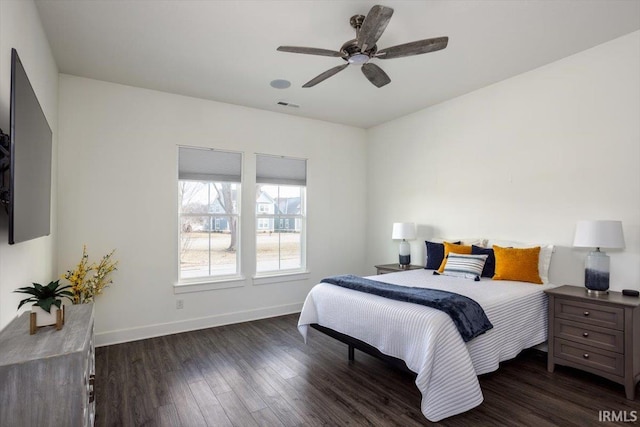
point(456, 249)
point(517, 264)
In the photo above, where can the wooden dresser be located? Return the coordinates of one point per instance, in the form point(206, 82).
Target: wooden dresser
point(598, 334)
point(46, 379)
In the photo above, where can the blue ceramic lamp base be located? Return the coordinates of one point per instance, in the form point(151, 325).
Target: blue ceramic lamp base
point(596, 274)
point(404, 256)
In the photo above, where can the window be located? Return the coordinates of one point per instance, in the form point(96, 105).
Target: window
point(281, 214)
point(208, 200)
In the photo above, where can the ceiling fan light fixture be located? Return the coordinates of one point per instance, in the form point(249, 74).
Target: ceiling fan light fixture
point(358, 59)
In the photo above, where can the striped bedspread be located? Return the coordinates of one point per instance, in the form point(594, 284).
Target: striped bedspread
point(426, 338)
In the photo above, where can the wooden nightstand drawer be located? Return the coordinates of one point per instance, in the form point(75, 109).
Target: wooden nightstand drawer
point(599, 334)
point(595, 314)
point(595, 336)
point(600, 360)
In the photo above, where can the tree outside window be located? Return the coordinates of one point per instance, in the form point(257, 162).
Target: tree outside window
point(209, 228)
point(208, 201)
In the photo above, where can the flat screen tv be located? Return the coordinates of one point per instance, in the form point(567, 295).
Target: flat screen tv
point(27, 193)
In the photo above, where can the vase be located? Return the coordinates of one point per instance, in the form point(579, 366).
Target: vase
point(42, 317)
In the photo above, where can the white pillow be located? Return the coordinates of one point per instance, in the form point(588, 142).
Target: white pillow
point(467, 242)
point(544, 260)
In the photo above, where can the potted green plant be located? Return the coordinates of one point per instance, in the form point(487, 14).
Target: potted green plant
point(47, 300)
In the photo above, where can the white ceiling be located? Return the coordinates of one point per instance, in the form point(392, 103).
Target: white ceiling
point(226, 50)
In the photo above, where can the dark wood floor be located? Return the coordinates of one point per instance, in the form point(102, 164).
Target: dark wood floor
point(262, 374)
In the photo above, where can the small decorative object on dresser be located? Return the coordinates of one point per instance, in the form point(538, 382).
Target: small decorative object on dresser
point(598, 234)
point(90, 280)
point(598, 334)
point(394, 268)
point(404, 231)
point(47, 300)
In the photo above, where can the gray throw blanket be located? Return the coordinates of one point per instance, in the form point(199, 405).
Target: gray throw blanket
point(468, 316)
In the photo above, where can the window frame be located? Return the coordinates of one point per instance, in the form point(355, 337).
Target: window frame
point(280, 220)
point(195, 171)
point(213, 218)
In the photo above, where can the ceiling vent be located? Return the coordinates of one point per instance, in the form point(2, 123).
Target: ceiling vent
point(288, 104)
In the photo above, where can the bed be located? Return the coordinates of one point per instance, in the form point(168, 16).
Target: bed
point(427, 340)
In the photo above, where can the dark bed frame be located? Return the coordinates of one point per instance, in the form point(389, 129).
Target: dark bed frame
point(354, 343)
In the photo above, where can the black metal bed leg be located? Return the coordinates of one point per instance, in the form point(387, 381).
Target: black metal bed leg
point(351, 353)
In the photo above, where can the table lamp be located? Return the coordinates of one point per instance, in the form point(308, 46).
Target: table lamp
point(404, 231)
point(598, 234)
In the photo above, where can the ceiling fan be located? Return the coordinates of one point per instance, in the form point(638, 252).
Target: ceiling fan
point(362, 49)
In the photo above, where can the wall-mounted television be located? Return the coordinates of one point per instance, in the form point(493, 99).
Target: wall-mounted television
point(26, 161)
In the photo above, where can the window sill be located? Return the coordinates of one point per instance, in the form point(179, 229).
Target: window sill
point(269, 278)
point(209, 285)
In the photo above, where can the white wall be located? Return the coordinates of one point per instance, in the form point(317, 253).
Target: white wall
point(523, 159)
point(31, 261)
point(118, 189)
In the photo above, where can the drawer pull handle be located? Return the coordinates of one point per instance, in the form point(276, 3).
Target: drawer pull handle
point(585, 334)
point(586, 355)
point(92, 393)
point(586, 313)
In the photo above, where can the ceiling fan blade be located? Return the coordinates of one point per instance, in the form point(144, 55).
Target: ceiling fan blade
point(373, 26)
point(375, 74)
point(414, 48)
point(325, 75)
point(310, 51)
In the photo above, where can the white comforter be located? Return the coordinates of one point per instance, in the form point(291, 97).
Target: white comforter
point(427, 339)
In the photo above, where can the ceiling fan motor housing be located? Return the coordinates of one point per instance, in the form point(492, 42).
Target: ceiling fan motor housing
point(354, 55)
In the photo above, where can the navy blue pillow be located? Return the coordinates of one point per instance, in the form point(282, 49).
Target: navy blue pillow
point(490, 265)
point(435, 254)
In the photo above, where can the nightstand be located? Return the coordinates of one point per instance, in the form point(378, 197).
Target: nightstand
point(394, 268)
point(598, 334)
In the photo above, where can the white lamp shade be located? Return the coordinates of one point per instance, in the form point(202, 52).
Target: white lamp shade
point(404, 230)
point(599, 234)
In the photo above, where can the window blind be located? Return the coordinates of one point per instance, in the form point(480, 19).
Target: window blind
point(280, 170)
point(209, 165)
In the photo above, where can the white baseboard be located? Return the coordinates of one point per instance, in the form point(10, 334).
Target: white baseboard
point(143, 332)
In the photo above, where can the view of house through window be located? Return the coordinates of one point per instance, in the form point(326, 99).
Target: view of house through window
point(280, 221)
point(208, 201)
point(280, 214)
point(209, 228)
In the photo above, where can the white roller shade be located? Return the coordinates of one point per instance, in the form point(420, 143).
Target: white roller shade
point(280, 170)
point(209, 165)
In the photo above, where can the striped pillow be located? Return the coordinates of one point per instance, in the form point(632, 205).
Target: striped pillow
point(467, 266)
